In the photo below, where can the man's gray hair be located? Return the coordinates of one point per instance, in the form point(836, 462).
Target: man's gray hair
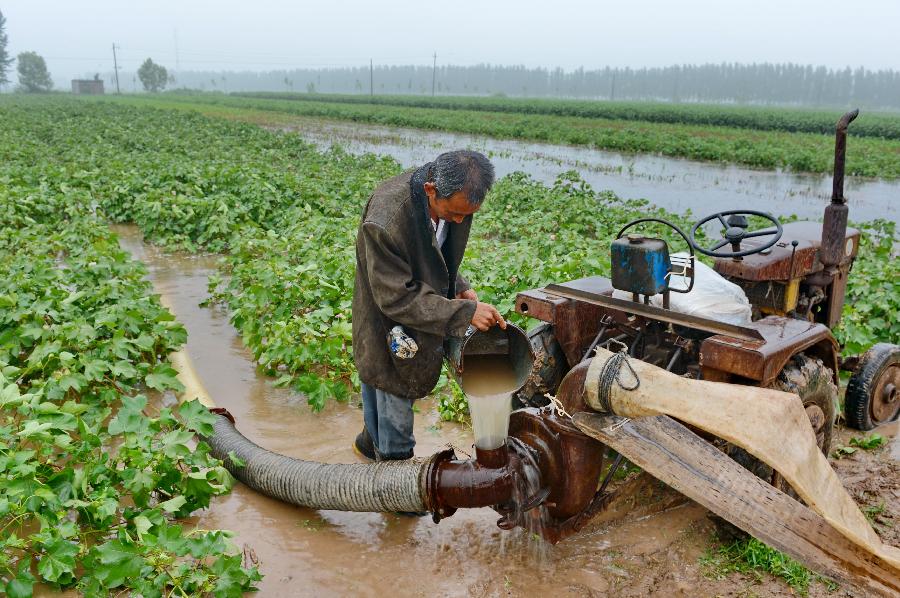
point(462, 170)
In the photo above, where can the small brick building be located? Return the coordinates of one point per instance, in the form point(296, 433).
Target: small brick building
point(87, 87)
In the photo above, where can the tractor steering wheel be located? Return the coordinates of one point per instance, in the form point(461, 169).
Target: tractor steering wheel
point(736, 231)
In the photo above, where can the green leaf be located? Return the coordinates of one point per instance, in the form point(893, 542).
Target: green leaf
point(142, 525)
point(117, 562)
point(94, 369)
point(173, 504)
point(21, 586)
point(237, 461)
point(58, 563)
point(163, 377)
point(123, 369)
point(130, 417)
point(197, 417)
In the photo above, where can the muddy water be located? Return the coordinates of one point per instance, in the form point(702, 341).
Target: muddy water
point(326, 553)
point(489, 382)
point(672, 183)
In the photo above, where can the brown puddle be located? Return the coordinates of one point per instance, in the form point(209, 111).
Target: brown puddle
point(328, 553)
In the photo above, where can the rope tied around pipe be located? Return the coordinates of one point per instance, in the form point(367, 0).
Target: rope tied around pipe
point(612, 372)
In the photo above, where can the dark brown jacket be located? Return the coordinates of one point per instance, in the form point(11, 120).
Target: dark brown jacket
point(402, 277)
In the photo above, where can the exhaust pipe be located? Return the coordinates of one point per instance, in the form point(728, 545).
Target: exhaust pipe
point(834, 227)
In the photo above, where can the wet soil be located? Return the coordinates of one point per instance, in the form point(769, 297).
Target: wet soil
point(672, 183)
point(649, 542)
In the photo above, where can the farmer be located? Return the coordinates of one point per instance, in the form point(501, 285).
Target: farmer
point(409, 295)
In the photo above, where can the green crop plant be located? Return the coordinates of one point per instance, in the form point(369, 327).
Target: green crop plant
point(93, 474)
point(885, 125)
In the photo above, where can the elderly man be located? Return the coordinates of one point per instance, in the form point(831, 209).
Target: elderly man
point(409, 295)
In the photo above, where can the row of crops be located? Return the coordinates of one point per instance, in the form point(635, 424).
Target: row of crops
point(94, 471)
point(759, 118)
point(797, 152)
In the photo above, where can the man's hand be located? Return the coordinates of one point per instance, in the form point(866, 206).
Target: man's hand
point(486, 315)
point(467, 294)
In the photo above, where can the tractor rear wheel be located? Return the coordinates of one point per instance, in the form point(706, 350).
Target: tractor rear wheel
point(813, 382)
point(873, 394)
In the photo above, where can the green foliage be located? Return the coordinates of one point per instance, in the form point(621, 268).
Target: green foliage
point(153, 76)
point(872, 306)
point(751, 556)
point(799, 152)
point(92, 474)
point(33, 75)
point(868, 443)
point(5, 58)
point(793, 120)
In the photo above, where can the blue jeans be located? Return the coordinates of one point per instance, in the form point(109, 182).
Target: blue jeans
point(389, 420)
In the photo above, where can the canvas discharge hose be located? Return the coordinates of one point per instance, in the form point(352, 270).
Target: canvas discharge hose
point(769, 424)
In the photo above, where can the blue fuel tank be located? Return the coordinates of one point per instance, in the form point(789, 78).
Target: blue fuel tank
point(640, 265)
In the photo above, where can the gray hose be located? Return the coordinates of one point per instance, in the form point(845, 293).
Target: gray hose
point(385, 486)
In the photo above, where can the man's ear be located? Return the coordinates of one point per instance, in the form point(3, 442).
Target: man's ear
point(430, 190)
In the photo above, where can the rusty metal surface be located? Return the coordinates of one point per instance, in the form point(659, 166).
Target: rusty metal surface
point(762, 360)
point(776, 265)
point(575, 323)
point(840, 154)
point(537, 304)
point(569, 461)
point(834, 306)
point(452, 484)
point(747, 333)
point(571, 389)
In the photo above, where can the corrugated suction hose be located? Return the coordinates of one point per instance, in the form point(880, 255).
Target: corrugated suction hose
point(384, 486)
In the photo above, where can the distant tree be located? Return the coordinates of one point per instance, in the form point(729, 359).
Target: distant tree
point(5, 59)
point(33, 75)
point(153, 76)
point(310, 87)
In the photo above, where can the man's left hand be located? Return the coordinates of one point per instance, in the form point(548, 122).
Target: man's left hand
point(467, 294)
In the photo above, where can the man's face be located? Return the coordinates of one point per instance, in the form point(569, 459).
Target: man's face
point(453, 209)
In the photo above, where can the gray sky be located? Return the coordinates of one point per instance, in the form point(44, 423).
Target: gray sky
point(76, 36)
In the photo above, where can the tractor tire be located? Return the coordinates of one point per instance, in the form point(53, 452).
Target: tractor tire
point(873, 394)
point(550, 366)
point(813, 382)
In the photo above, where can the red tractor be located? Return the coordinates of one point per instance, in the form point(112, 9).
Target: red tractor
point(793, 279)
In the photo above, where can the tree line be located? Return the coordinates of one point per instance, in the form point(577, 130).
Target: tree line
point(791, 84)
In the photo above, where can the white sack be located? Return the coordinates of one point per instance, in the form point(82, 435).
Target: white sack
point(712, 297)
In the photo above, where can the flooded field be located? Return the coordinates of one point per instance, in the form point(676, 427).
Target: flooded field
point(672, 183)
point(650, 542)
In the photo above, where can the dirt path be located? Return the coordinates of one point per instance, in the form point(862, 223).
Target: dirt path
point(649, 543)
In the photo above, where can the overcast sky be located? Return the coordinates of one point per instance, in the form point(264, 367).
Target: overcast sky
point(75, 36)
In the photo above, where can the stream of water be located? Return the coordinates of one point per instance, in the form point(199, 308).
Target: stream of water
point(672, 183)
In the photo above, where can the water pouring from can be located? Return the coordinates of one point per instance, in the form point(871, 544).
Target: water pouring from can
point(491, 366)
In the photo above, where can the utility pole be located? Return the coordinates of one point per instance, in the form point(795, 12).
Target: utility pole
point(371, 78)
point(116, 67)
point(433, 74)
point(175, 35)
